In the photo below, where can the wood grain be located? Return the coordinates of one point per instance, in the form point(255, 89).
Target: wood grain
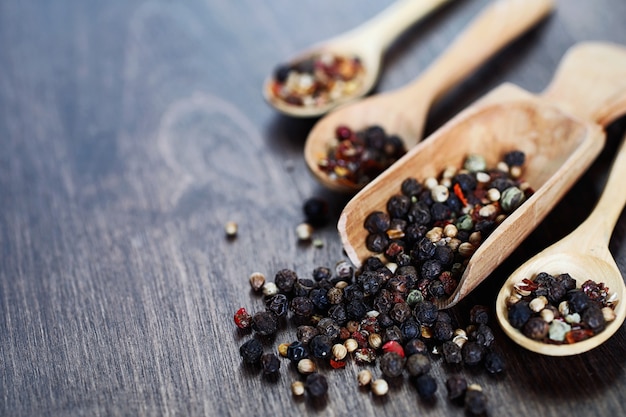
point(131, 131)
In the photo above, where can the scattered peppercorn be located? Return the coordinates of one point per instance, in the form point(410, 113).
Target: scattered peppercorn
point(475, 401)
point(316, 211)
point(392, 364)
point(251, 351)
point(243, 319)
point(265, 323)
point(270, 364)
point(426, 386)
point(456, 386)
point(316, 384)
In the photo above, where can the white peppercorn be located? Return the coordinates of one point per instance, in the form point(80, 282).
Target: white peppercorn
point(364, 377)
point(379, 387)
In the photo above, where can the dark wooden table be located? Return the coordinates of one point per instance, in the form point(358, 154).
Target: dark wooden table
point(132, 131)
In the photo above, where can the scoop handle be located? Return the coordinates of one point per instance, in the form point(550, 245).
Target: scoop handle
point(590, 82)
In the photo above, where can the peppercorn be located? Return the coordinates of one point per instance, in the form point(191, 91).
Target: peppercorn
point(270, 364)
point(418, 364)
point(400, 312)
point(320, 346)
point(306, 366)
point(316, 211)
point(456, 386)
point(479, 314)
point(578, 301)
point(297, 388)
point(391, 364)
point(494, 362)
point(426, 386)
point(377, 222)
point(483, 335)
point(443, 330)
point(278, 304)
point(243, 319)
point(305, 333)
point(410, 329)
point(302, 307)
point(328, 327)
point(475, 401)
point(515, 158)
point(536, 328)
point(265, 323)
point(285, 279)
point(414, 346)
point(472, 353)
point(594, 317)
point(425, 312)
point(338, 314)
point(297, 351)
point(379, 387)
point(452, 353)
point(251, 351)
point(257, 280)
point(518, 314)
point(316, 384)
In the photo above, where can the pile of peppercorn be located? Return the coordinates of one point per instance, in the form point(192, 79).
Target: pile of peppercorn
point(551, 309)
point(317, 80)
point(370, 316)
point(361, 156)
point(436, 225)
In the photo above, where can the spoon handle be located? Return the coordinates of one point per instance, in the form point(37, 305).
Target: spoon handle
point(590, 82)
point(495, 27)
point(597, 229)
point(381, 30)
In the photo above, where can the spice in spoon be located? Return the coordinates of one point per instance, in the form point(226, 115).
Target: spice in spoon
point(359, 157)
point(549, 308)
point(318, 80)
point(435, 225)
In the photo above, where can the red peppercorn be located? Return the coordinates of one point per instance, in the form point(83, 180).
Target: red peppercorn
point(393, 346)
point(243, 319)
point(337, 364)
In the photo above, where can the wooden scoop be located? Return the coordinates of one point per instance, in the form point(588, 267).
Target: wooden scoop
point(560, 131)
point(584, 254)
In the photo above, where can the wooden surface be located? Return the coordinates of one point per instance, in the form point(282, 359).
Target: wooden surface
point(132, 131)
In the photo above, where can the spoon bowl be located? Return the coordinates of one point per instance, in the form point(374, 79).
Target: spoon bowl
point(367, 42)
point(403, 111)
point(583, 254)
point(560, 132)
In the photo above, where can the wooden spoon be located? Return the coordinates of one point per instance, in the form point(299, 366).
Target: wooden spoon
point(368, 42)
point(403, 111)
point(560, 132)
point(584, 254)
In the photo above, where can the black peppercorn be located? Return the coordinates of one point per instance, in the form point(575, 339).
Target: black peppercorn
point(284, 280)
point(456, 386)
point(302, 307)
point(536, 328)
point(316, 211)
point(578, 301)
point(475, 402)
point(418, 364)
point(316, 384)
point(278, 304)
point(411, 187)
point(443, 331)
point(319, 297)
point(320, 346)
point(270, 364)
point(494, 362)
point(265, 323)
point(515, 158)
point(472, 353)
point(425, 312)
point(391, 364)
point(479, 314)
point(305, 333)
point(398, 206)
point(519, 313)
point(594, 318)
point(426, 386)
point(377, 242)
point(338, 314)
point(251, 351)
point(297, 351)
point(431, 269)
point(370, 282)
point(451, 353)
point(328, 327)
point(410, 329)
point(377, 222)
point(322, 272)
point(372, 263)
point(356, 309)
point(414, 346)
point(483, 335)
point(400, 312)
